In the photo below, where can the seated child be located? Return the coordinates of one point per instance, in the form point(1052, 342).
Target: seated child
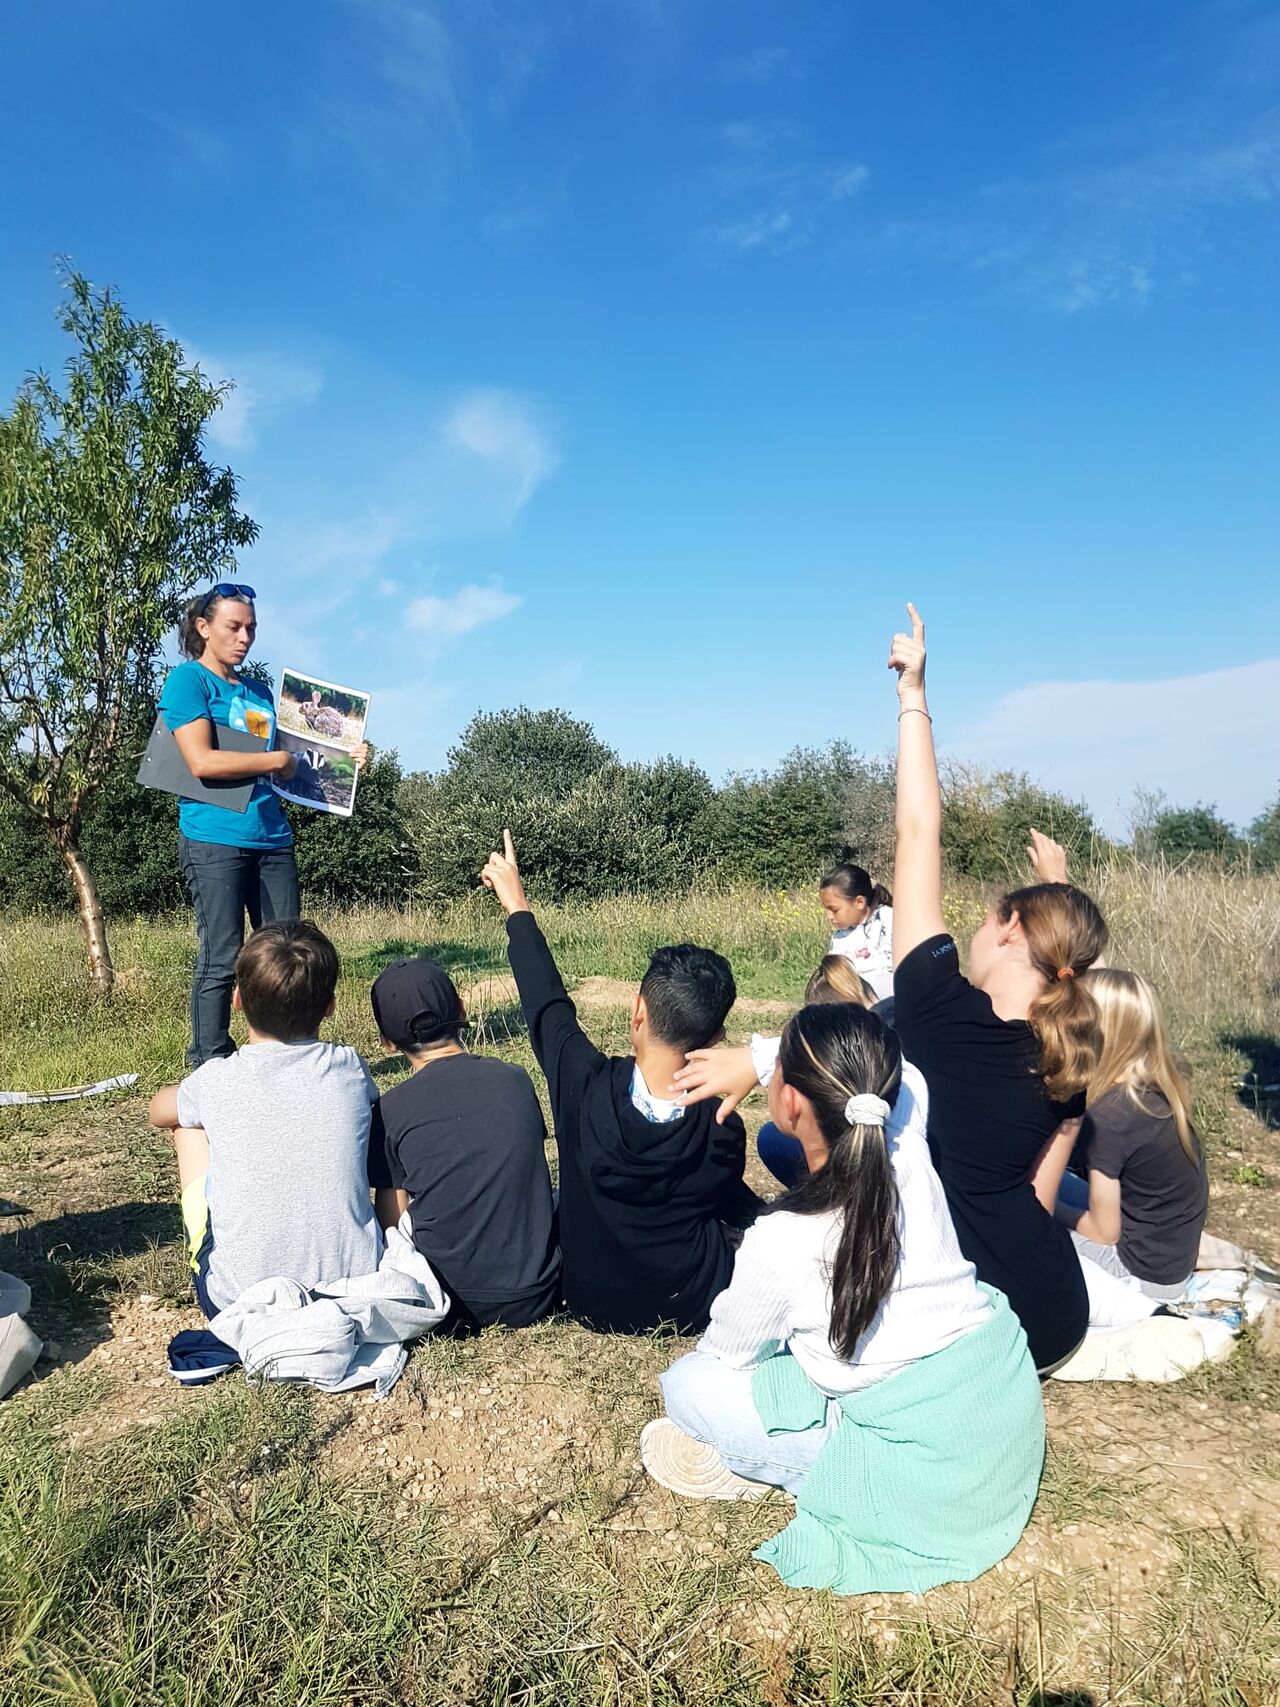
point(273, 1140)
point(649, 1190)
point(1142, 1209)
point(834, 981)
point(854, 1359)
point(459, 1146)
point(862, 914)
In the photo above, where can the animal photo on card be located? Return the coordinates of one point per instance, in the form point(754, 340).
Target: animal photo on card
point(325, 777)
point(331, 714)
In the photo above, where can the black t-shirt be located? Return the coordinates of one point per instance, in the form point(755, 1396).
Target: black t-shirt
point(989, 1118)
point(464, 1137)
point(1164, 1197)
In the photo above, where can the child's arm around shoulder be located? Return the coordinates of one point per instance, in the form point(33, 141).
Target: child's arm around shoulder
point(554, 1029)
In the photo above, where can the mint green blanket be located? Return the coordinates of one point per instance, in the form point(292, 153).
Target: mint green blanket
point(930, 1476)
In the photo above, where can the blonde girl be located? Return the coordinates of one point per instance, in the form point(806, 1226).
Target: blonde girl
point(1141, 1210)
point(1006, 1052)
point(835, 980)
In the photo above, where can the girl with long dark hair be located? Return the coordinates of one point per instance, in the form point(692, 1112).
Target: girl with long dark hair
point(854, 1360)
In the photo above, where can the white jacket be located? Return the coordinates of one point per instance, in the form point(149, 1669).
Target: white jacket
point(346, 1333)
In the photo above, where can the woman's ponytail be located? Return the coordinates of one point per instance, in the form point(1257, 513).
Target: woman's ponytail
point(1065, 933)
point(831, 1055)
point(190, 639)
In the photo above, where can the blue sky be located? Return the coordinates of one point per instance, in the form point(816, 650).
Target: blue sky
point(643, 356)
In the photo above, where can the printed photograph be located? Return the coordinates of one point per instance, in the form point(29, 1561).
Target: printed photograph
point(335, 715)
point(325, 778)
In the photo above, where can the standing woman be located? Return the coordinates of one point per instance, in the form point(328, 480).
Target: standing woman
point(233, 861)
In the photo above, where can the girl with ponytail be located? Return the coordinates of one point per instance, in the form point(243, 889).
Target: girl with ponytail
point(854, 1347)
point(1006, 1052)
point(861, 915)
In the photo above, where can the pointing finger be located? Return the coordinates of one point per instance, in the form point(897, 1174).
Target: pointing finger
point(508, 846)
point(917, 622)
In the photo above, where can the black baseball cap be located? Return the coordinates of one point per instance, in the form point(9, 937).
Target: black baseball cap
point(415, 1003)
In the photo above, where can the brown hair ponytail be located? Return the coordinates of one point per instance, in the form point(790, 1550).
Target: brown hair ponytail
point(1065, 933)
point(830, 1054)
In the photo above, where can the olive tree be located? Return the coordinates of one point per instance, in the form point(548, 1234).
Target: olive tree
point(110, 513)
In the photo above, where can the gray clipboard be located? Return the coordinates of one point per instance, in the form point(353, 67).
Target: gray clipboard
point(164, 767)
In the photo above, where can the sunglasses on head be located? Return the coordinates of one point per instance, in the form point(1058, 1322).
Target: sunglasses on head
point(227, 590)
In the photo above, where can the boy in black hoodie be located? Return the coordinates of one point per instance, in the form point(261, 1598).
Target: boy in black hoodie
point(649, 1190)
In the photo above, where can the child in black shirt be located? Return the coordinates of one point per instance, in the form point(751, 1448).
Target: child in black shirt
point(460, 1147)
point(649, 1191)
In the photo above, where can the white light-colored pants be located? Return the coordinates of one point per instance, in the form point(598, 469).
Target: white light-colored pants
point(712, 1402)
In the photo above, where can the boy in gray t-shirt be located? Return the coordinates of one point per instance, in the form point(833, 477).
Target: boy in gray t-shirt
point(273, 1141)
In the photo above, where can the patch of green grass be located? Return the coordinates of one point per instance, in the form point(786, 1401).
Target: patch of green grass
point(1073, 1490)
point(1249, 1376)
point(1248, 1174)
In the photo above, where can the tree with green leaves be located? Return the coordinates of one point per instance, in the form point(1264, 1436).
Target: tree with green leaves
point(1195, 833)
point(1264, 838)
point(110, 513)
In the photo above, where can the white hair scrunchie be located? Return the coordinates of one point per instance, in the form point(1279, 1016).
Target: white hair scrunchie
point(866, 1110)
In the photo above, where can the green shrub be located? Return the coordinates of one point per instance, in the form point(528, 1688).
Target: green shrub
point(367, 858)
point(1264, 838)
point(987, 819)
point(783, 827)
point(1196, 833)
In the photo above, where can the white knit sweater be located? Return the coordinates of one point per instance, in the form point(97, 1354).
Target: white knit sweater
point(780, 1294)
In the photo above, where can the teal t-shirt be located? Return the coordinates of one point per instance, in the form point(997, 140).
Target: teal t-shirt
point(192, 691)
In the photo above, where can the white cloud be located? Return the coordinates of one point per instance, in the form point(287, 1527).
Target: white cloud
point(505, 432)
point(848, 180)
point(784, 194)
point(266, 385)
point(468, 608)
point(1213, 737)
point(759, 65)
point(765, 230)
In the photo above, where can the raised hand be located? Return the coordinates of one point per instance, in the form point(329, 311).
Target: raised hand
point(1048, 858)
point(906, 656)
point(502, 875)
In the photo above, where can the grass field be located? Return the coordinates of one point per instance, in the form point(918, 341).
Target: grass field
point(485, 1535)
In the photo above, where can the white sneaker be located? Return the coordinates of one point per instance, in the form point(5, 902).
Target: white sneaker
point(689, 1467)
point(1159, 1348)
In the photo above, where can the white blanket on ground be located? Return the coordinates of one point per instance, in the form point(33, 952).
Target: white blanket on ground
point(344, 1334)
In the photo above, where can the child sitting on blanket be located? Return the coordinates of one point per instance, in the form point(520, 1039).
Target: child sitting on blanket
point(854, 1348)
point(1141, 1208)
point(273, 1140)
point(651, 1194)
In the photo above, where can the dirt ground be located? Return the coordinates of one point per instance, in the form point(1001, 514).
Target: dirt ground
point(527, 1421)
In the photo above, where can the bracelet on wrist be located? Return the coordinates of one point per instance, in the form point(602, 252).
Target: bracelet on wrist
point(909, 708)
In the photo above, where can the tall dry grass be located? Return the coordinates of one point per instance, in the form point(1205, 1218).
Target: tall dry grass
point(1210, 940)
